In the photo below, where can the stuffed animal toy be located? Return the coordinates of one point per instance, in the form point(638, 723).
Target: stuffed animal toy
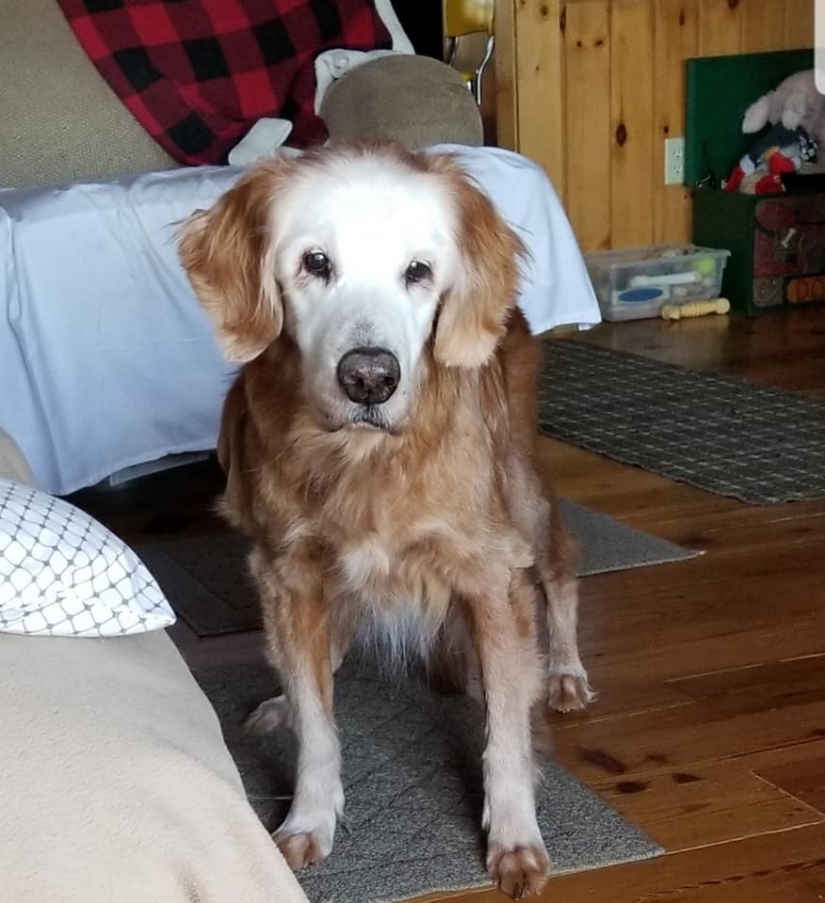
point(794, 102)
point(797, 111)
point(780, 150)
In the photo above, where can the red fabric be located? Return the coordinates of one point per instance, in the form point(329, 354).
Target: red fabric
point(197, 74)
point(779, 163)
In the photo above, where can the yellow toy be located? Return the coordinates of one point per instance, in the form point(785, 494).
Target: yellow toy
point(695, 309)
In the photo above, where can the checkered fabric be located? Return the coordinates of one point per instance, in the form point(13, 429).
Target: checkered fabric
point(197, 74)
point(721, 434)
point(64, 574)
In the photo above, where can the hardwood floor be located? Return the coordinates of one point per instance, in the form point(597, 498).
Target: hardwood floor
point(710, 728)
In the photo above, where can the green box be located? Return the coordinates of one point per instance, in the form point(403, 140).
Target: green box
point(777, 241)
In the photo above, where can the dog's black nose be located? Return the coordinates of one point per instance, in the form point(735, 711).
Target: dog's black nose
point(369, 375)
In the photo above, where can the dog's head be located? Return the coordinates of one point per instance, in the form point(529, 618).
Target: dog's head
point(364, 256)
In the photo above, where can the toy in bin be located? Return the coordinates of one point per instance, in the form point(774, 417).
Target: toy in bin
point(794, 113)
point(635, 283)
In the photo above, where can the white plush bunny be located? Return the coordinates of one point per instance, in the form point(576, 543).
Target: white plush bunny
point(794, 103)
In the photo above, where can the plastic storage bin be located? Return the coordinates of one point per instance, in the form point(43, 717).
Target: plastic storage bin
point(635, 283)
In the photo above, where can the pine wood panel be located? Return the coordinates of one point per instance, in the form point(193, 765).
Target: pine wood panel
point(799, 22)
point(676, 40)
point(541, 78)
point(763, 26)
point(558, 82)
point(505, 63)
point(720, 27)
point(587, 105)
point(631, 104)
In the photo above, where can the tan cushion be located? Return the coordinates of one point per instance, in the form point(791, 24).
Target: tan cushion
point(60, 121)
point(117, 786)
point(415, 100)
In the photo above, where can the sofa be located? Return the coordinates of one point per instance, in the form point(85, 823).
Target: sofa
point(117, 784)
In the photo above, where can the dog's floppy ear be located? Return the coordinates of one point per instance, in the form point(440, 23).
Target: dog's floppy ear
point(227, 252)
point(474, 312)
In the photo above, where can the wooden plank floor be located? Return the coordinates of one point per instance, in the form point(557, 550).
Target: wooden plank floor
point(710, 728)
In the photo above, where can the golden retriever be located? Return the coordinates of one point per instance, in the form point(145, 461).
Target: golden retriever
point(378, 445)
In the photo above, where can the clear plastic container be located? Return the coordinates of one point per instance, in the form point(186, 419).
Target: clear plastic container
point(635, 283)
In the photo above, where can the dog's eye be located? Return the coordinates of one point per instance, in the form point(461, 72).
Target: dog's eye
point(317, 264)
point(417, 271)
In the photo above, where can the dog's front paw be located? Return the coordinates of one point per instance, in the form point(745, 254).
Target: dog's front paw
point(270, 715)
point(519, 871)
point(568, 688)
point(304, 849)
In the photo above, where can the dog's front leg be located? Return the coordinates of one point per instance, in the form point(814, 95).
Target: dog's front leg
point(502, 626)
point(297, 628)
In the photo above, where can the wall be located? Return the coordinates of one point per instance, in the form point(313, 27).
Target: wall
point(591, 88)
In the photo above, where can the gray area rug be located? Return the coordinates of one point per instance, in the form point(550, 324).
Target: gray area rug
point(609, 545)
point(721, 434)
point(412, 777)
point(206, 582)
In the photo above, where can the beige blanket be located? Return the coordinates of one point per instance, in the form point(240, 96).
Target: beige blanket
point(115, 783)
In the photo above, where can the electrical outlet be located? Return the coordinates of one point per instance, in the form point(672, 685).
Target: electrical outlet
point(674, 161)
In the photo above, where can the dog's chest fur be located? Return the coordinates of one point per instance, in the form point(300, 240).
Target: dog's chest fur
point(404, 551)
point(400, 594)
point(396, 543)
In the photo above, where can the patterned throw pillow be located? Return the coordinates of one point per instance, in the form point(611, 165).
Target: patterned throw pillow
point(64, 574)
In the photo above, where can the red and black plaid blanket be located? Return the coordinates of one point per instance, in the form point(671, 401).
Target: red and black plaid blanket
point(198, 74)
